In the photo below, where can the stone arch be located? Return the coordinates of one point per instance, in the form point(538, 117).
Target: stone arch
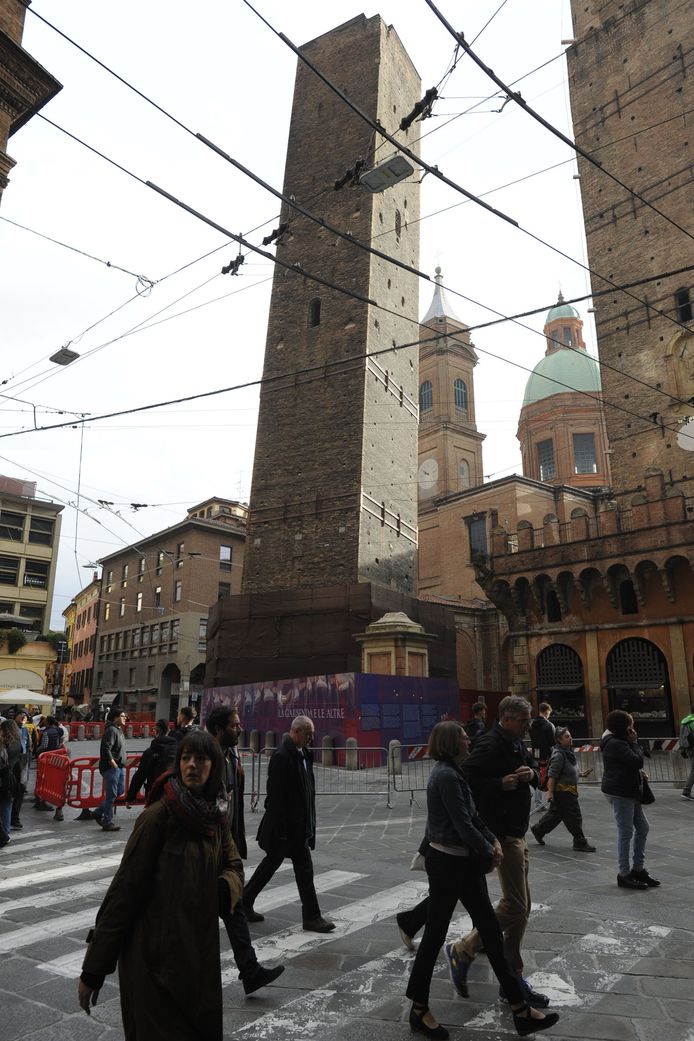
point(589, 581)
point(559, 680)
point(621, 589)
point(170, 687)
point(638, 682)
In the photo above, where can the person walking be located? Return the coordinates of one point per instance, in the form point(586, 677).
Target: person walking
point(621, 783)
point(112, 760)
point(542, 738)
point(562, 794)
point(461, 850)
point(155, 760)
point(159, 919)
point(288, 826)
point(20, 718)
point(10, 772)
point(501, 773)
point(478, 723)
point(687, 750)
point(225, 726)
point(184, 722)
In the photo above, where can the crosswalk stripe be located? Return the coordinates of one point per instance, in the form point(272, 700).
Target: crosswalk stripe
point(10, 874)
point(49, 874)
point(22, 836)
point(269, 899)
point(18, 850)
point(350, 918)
point(59, 925)
point(71, 963)
point(97, 887)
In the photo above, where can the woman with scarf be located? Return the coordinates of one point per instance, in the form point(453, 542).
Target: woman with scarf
point(461, 851)
point(562, 794)
point(158, 921)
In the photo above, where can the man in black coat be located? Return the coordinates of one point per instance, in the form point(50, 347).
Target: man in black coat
point(501, 773)
point(225, 727)
point(288, 827)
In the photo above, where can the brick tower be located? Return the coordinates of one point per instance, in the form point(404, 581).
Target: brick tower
point(332, 535)
point(631, 83)
point(333, 497)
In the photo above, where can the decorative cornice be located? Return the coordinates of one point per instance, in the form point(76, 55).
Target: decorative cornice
point(25, 86)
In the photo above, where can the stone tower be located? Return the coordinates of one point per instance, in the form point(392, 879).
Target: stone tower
point(561, 427)
point(333, 497)
point(450, 446)
point(631, 90)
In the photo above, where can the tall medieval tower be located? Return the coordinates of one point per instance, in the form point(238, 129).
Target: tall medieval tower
point(334, 498)
point(632, 92)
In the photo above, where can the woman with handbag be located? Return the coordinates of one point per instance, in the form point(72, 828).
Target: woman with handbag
point(622, 783)
point(460, 852)
point(159, 919)
point(10, 774)
point(562, 794)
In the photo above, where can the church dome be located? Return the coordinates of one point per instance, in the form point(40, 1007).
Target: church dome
point(562, 372)
point(561, 310)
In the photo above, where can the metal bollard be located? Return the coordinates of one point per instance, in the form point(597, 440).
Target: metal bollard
point(328, 745)
point(254, 742)
point(129, 731)
point(395, 757)
point(145, 730)
point(81, 732)
point(351, 754)
point(270, 742)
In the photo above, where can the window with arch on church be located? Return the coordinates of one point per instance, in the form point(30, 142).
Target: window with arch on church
point(314, 313)
point(463, 474)
point(584, 454)
point(426, 396)
point(460, 395)
point(567, 335)
point(545, 458)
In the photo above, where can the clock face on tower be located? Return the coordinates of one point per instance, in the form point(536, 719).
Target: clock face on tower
point(428, 475)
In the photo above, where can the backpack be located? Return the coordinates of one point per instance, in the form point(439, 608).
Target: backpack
point(686, 739)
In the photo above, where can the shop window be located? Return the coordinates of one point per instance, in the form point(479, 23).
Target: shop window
point(584, 454)
point(638, 683)
point(314, 309)
point(627, 597)
point(684, 305)
point(545, 459)
point(426, 396)
point(460, 395)
point(559, 676)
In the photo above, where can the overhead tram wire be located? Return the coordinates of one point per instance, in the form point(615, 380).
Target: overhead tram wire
point(377, 128)
point(516, 97)
point(298, 269)
point(436, 172)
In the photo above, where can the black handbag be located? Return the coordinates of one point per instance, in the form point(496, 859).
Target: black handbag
point(646, 796)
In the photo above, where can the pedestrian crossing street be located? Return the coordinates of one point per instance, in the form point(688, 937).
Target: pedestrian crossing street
point(74, 872)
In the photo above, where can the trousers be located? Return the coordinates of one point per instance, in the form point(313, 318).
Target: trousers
point(245, 957)
point(564, 807)
point(630, 820)
point(452, 879)
point(300, 857)
point(113, 786)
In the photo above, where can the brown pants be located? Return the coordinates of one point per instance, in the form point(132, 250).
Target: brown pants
point(513, 910)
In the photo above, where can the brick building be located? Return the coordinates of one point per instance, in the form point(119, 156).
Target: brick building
point(25, 86)
point(81, 627)
point(155, 598)
point(600, 606)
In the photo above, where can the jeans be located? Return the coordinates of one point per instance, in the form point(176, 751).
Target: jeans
point(513, 910)
point(564, 807)
point(303, 873)
point(687, 790)
point(245, 957)
point(6, 813)
point(631, 820)
point(452, 879)
point(114, 786)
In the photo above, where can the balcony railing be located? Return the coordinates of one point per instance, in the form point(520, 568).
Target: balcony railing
point(35, 581)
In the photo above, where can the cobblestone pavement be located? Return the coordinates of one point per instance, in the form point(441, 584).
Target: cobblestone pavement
point(619, 965)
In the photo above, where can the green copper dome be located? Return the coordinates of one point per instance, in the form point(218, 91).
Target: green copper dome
point(561, 372)
point(561, 310)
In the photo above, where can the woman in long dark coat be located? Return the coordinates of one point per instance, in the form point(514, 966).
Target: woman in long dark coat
point(159, 919)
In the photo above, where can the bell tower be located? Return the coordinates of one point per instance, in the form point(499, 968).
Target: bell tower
point(450, 445)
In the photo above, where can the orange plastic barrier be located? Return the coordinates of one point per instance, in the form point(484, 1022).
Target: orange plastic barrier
point(84, 784)
point(52, 774)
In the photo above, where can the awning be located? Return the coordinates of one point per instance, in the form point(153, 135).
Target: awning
point(108, 699)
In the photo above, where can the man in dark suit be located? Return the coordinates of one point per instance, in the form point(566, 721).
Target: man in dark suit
point(224, 725)
point(288, 827)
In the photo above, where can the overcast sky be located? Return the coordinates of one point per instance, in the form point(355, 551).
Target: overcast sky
point(216, 68)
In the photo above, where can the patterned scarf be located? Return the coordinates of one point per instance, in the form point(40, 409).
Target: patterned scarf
point(194, 812)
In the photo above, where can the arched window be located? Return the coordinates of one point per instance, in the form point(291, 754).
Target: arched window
point(460, 393)
point(426, 396)
point(463, 474)
point(314, 313)
point(553, 607)
point(627, 597)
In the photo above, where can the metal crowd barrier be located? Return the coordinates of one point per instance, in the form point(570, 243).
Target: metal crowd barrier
point(337, 771)
point(662, 760)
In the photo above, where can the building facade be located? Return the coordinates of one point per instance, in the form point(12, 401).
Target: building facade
point(81, 628)
point(29, 541)
point(25, 86)
point(154, 601)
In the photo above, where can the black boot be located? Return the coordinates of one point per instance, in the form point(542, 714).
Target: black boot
point(629, 882)
point(641, 875)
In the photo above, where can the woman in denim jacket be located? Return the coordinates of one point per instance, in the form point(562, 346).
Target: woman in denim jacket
point(461, 850)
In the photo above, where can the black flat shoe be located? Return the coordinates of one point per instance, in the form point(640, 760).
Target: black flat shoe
point(642, 876)
point(525, 1023)
point(420, 1027)
point(629, 882)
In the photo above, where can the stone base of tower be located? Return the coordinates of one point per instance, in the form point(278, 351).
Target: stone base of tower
point(309, 632)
